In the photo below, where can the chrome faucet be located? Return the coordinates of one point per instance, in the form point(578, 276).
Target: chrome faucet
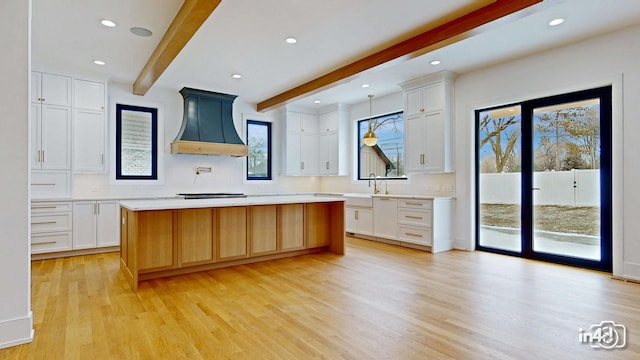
point(375, 184)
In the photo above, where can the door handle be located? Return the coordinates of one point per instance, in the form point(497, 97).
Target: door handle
point(535, 188)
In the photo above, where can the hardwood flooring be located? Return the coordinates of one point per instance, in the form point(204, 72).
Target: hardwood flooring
point(376, 302)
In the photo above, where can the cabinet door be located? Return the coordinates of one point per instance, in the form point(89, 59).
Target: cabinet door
point(293, 151)
point(414, 144)
point(309, 123)
point(196, 237)
point(55, 137)
point(413, 102)
point(351, 220)
point(433, 159)
point(84, 225)
point(309, 150)
point(154, 233)
point(262, 230)
point(317, 216)
point(291, 227)
point(35, 116)
point(328, 153)
point(365, 222)
point(328, 122)
point(56, 90)
point(294, 121)
point(88, 141)
point(108, 224)
point(88, 95)
point(433, 97)
point(385, 217)
point(232, 233)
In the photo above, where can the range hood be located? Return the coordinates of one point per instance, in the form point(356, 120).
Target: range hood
point(207, 125)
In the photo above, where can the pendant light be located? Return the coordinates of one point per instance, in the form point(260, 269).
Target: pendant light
point(370, 138)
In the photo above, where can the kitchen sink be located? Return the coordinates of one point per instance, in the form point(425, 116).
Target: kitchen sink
point(358, 199)
point(211, 195)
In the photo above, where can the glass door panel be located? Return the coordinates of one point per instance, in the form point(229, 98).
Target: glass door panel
point(566, 179)
point(499, 182)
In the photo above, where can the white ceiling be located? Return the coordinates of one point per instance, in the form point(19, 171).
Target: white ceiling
point(247, 37)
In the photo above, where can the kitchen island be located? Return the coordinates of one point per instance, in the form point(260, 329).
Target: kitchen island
point(166, 237)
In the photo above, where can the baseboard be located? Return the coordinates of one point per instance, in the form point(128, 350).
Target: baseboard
point(15, 332)
point(631, 271)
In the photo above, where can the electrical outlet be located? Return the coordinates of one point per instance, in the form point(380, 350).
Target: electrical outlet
point(447, 187)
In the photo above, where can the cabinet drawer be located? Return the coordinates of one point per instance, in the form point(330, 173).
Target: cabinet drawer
point(419, 217)
point(50, 184)
point(49, 207)
point(51, 222)
point(415, 204)
point(43, 243)
point(414, 234)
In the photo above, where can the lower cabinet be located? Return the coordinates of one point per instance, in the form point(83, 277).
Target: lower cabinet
point(385, 217)
point(95, 224)
point(359, 220)
point(51, 227)
point(157, 243)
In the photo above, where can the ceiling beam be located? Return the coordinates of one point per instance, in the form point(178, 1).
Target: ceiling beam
point(435, 38)
point(187, 21)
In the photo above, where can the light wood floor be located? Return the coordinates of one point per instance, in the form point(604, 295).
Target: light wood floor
point(376, 302)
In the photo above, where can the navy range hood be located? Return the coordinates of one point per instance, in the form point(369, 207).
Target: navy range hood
point(207, 125)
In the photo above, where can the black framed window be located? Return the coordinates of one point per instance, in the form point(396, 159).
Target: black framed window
point(136, 143)
point(386, 157)
point(259, 143)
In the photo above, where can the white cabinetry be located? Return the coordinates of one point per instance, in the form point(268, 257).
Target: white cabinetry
point(359, 220)
point(313, 143)
point(301, 155)
point(51, 227)
point(95, 224)
point(89, 127)
point(385, 217)
point(428, 109)
point(50, 89)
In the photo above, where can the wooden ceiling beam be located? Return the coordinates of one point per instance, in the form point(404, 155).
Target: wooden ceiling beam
point(187, 21)
point(432, 39)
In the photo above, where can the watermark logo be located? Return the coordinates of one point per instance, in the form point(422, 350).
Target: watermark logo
point(606, 335)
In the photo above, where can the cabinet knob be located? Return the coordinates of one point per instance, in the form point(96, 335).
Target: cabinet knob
point(421, 110)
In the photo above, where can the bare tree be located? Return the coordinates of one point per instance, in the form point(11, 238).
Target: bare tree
point(500, 137)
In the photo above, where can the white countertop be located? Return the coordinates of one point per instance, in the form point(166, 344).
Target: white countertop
point(162, 204)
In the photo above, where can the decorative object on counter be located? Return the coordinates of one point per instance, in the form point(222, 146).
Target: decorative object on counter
point(370, 138)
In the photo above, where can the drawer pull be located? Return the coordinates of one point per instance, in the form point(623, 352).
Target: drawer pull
point(44, 243)
point(43, 184)
point(43, 207)
point(414, 204)
point(414, 217)
point(43, 222)
point(412, 234)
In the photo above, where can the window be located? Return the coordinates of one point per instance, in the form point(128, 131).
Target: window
point(136, 143)
point(386, 157)
point(259, 143)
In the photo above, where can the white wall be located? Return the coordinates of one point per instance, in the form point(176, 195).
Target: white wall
point(177, 171)
point(16, 323)
point(605, 60)
point(416, 184)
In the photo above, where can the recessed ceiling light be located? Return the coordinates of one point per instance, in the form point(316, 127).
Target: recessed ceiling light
point(555, 22)
point(364, 85)
point(291, 40)
point(316, 101)
point(435, 62)
point(99, 62)
point(108, 23)
point(236, 76)
point(140, 31)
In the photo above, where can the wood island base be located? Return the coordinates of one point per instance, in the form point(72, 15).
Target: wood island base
point(160, 243)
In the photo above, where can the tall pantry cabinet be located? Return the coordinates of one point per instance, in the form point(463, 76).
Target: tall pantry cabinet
point(428, 113)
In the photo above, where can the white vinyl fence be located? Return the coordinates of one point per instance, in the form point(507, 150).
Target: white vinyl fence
point(569, 188)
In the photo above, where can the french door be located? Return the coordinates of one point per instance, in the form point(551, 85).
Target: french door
point(543, 179)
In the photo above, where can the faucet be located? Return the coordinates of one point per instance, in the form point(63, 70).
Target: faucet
point(375, 184)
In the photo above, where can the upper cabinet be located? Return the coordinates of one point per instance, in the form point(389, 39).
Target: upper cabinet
point(88, 95)
point(89, 126)
point(316, 144)
point(50, 89)
point(428, 111)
